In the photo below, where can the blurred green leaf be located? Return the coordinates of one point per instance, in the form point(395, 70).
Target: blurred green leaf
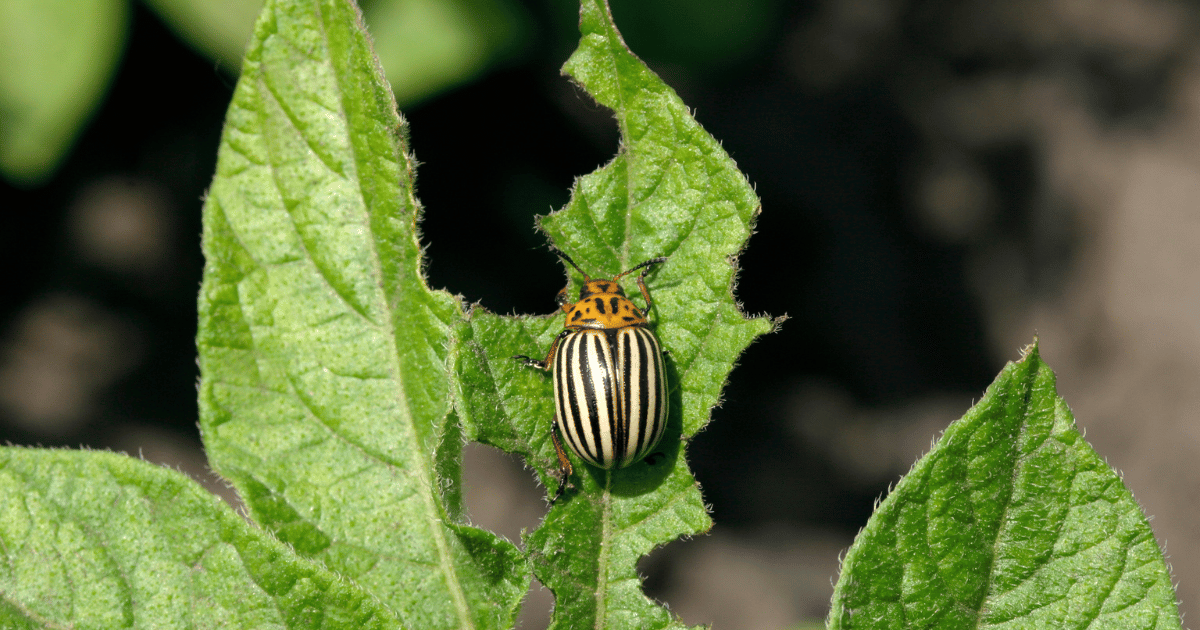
point(98, 540)
point(425, 46)
point(324, 385)
point(671, 191)
point(58, 58)
point(218, 29)
point(1011, 521)
point(699, 36)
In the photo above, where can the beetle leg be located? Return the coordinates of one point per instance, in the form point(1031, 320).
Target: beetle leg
point(554, 348)
point(541, 365)
point(564, 464)
point(544, 365)
point(645, 293)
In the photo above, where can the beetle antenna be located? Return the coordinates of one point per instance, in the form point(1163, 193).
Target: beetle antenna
point(652, 261)
point(561, 254)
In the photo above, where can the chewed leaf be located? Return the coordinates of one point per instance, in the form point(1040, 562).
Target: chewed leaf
point(1012, 521)
point(672, 191)
point(324, 385)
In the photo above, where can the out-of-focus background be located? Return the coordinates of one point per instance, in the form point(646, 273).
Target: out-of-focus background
point(940, 181)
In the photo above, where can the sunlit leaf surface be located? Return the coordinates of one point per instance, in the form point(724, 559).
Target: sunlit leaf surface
point(1012, 521)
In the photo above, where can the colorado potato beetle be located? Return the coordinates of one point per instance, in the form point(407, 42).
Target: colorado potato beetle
point(610, 395)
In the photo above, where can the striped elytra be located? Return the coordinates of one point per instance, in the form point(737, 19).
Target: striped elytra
point(610, 394)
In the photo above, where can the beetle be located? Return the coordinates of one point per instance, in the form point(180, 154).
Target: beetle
point(610, 395)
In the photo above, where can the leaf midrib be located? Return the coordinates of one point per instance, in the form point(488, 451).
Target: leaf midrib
point(423, 473)
point(1027, 385)
point(605, 549)
point(423, 470)
point(629, 155)
point(614, 39)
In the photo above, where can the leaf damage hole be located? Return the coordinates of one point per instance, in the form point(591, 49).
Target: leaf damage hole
point(500, 495)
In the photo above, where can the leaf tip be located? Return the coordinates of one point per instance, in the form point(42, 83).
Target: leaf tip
point(1031, 350)
point(776, 322)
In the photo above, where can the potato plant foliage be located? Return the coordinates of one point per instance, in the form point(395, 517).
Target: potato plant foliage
point(337, 390)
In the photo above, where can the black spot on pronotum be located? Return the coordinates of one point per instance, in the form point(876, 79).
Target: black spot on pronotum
point(600, 305)
point(615, 303)
point(628, 318)
point(577, 315)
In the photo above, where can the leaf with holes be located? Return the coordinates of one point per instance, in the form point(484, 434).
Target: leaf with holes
point(672, 191)
point(323, 354)
point(1012, 521)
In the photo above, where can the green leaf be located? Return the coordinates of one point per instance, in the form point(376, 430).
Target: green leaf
point(98, 540)
point(1011, 521)
point(324, 385)
point(58, 58)
point(671, 191)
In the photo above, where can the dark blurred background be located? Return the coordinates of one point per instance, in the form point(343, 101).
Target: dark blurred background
point(940, 181)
